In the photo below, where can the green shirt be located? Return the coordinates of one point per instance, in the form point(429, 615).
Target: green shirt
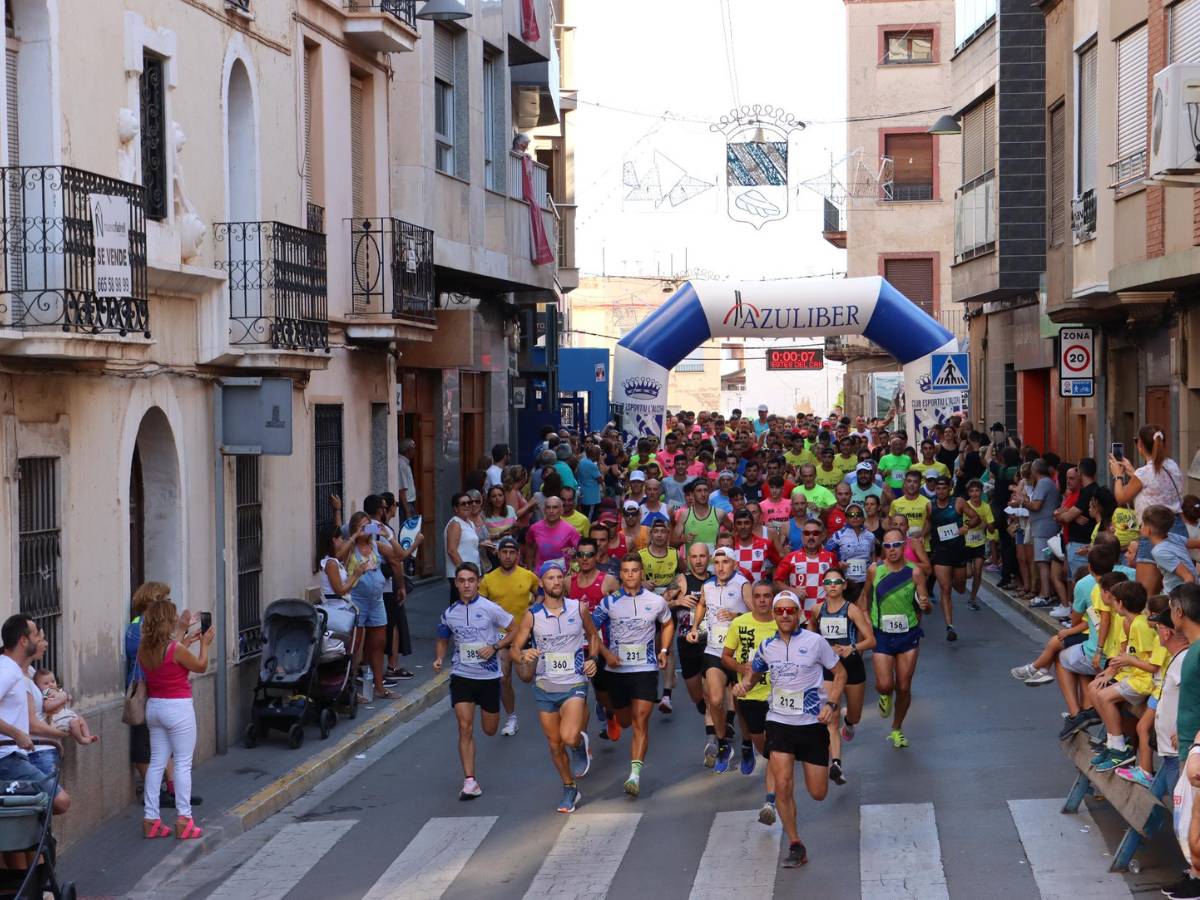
point(893, 467)
point(817, 496)
point(1187, 721)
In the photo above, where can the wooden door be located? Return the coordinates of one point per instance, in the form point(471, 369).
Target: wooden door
point(417, 421)
point(1158, 410)
point(473, 386)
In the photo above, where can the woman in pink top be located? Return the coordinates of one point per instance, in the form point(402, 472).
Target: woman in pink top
point(166, 664)
point(914, 550)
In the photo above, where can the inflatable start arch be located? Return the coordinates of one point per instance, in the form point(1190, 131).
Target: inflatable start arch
point(700, 310)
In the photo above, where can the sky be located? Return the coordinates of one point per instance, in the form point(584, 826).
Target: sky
point(653, 76)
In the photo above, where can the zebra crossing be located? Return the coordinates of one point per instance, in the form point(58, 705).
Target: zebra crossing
point(900, 857)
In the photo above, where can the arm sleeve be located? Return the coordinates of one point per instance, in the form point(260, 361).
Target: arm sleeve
point(501, 616)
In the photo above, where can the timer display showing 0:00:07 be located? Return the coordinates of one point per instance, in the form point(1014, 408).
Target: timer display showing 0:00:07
point(795, 359)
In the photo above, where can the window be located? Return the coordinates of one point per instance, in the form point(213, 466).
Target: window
point(327, 462)
point(446, 99)
point(312, 62)
point(912, 165)
point(693, 362)
point(151, 85)
point(970, 17)
point(1057, 229)
point(1010, 397)
point(913, 278)
point(40, 550)
point(358, 150)
point(494, 147)
point(1131, 94)
point(1086, 134)
point(1184, 31)
point(908, 46)
point(248, 491)
point(979, 140)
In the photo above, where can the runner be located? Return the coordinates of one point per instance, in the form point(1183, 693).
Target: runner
point(848, 630)
point(691, 656)
point(895, 590)
point(602, 534)
point(800, 711)
point(864, 486)
point(855, 549)
point(699, 521)
point(550, 539)
point(819, 498)
point(746, 633)
point(977, 537)
point(560, 627)
point(476, 625)
point(948, 551)
point(633, 660)
point(591, 585)
point(756, 555)
point(632, 535)
point(803, 570)
point(793, 537)
point(660, 563)
point(894, 465)
point(914, 507)
point(512, 587)
point(722, 599)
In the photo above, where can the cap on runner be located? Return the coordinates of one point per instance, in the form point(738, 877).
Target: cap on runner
point(727, 552)
point(631, 505)
point(551, 564)
point(864, 467)
point(508, 542)
point(637, 475)
point(783, 597)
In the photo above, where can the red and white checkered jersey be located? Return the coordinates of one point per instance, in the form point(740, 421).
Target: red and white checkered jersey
point(754, 558)
point(803, 574)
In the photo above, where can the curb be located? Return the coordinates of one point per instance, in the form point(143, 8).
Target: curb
point(288, 787)
point(1044, 622)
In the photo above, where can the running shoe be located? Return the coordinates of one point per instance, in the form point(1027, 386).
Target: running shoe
point(710, 752)
point(748, 761)
point(664, 705)
point(766, 815)
point(1041, 603)
point(724, 754)
point(796, 856)
point(992, 568)
point(570, 799)
point(510, 727)
point(951, 634)
point(1101, 753)
point(1186, 888)
point(633, 784)
point(973, 604)
point(1137, 775)
point(581, 756)
point(847, 732)
point(1023, 673)
point(1090, 717)
point(613, 729)
point(1115, 759)
point(835, 772)
point(1061, 612)
point(1040, 676)
point(1071, 724)
point(470, 789)
point(897, 739)
point(885, 705)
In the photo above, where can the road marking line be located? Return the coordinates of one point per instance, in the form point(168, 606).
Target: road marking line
point(585, 857)
point(740, 859)
point(283, 861)
point(1066, 860)
point(432, 859)
point(899, 853)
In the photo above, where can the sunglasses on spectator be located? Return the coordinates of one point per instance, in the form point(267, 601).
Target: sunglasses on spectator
point(834, 581)
point(892, 545)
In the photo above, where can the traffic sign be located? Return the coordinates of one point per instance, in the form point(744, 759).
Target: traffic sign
point(1076, 361)
point(950, 372)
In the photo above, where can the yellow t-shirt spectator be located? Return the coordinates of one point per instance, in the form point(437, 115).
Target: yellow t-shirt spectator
point(796, 460)
point(1145, 645)
point(1114, 644)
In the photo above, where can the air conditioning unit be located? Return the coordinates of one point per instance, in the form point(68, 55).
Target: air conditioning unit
point(1175, 133)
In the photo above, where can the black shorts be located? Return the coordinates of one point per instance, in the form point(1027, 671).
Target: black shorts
point(600, 680)
point(974, 553)
point(625, 687)
point(807, 743)
point(691, 657)
point(483, 692)
point(754, 712)
point(713, 662)
point(954, 557)
point(139, 744)
point(856, 670)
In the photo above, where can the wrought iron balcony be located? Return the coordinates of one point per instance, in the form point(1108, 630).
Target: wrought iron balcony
point(391, 268)
point(49, 254)
point(1083, 216)
point(277, 285)
point(404, 10)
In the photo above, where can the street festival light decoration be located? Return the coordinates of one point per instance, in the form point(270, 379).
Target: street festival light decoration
point(756, 162)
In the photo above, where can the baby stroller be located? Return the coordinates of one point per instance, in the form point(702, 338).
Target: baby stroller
point(25, 816)
point(290, 689)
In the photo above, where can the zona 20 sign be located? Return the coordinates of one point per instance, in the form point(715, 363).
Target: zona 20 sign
point(1076, 362)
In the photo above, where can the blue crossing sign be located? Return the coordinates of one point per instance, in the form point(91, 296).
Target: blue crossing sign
point(950, 372)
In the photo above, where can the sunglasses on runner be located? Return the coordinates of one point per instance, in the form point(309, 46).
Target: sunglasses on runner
point(786, 611)
point(811, 533)
point(834, 581)
point(892, 545)
point(854, 515)
point(586, 554)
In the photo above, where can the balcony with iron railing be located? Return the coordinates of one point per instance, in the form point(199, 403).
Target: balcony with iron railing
point(833, 223)
point(276, 284)
point(1129, 171)
point(975, 218)
point(568, 270)
point(72, 253)
point(381, 26)
point(391, 269)
point(516, 179)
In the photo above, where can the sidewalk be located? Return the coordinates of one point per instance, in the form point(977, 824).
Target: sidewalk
point(1039, 617)
point(244, 787)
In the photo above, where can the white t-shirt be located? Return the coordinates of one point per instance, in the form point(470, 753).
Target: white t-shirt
point(407, 484)
point(14, 699)
point(495, 475)
point(1162, 487)
point(1167, 710)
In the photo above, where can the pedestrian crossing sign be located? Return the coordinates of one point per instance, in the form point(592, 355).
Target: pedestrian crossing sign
point(950, 372)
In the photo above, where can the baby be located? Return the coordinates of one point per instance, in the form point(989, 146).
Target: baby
point(56, 711)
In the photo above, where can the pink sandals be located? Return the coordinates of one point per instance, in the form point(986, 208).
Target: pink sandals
point(155, 829)
point(187, 830)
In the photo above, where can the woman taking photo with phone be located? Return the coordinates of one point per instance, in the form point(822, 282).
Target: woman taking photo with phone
point(1158, 481)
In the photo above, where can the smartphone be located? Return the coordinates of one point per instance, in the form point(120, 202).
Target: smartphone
point(371, 528)
point(205, 621)
point(1118, 451)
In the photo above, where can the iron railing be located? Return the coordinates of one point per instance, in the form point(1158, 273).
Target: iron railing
point(516, 180)
point(404, 10)
point(248, 489)
point(277, 285)
point(975, 217)
point(1129, 170)
point(39, 548)
point(391, 268)
point(48, 252)
point(314, 219)
point(1083, 216)
point(327, 467)
point(912, 191)
point(834, 218)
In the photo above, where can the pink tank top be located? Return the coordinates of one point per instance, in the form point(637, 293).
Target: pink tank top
point(169, 681)
point(909, 553)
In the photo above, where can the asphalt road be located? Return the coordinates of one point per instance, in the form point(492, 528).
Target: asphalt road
point(970, 809)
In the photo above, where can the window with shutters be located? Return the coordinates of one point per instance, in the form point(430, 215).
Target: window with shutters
point(448, 94)
point(312, 126)
point(1057, 193)
point(494, 145)
point(906, 46)
point(913, 277)
point(358, 149)
point(1184, 30)
point(1132, 72)
point(152, 90)
point(979, 140)
point(1085, 125)
point(912, 165)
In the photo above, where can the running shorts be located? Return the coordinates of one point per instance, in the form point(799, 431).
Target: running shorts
point(483, 692)
point(807, 743)
point(948, 556)
point(713, 662)
point(1073, 659)
point(691, 657)
point(974, 553)
point(754, 712)
point(856, 671)
point(895, 644)
point(552, 701)
point(625, 687)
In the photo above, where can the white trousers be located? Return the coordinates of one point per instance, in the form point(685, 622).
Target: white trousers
point(172, 725)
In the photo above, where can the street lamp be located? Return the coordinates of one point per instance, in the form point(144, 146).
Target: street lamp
point(443, 11)
point(946, 124)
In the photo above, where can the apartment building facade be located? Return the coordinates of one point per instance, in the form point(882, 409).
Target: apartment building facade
point(302, 192)
point(893, 211)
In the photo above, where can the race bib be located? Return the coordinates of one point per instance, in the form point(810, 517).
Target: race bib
point(894, 624)
point(975, 536)
point(856, 568)
point(632, 654)
point(835, 627)
point(898, 474)
point(786, 701)
point(560, 663)
point(947, 532)
point(469, 653)
point(716, 634)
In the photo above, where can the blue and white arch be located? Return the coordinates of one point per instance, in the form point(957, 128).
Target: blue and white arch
point(700, 310)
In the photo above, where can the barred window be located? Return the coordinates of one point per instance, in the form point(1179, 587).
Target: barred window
point(40, 550)
point(248, 490)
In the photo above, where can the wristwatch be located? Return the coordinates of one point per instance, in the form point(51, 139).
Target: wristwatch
point(831, 704)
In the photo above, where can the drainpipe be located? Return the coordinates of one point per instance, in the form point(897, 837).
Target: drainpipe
point(220, 612)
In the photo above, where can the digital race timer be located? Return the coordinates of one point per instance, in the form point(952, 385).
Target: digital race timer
point(805, 360)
